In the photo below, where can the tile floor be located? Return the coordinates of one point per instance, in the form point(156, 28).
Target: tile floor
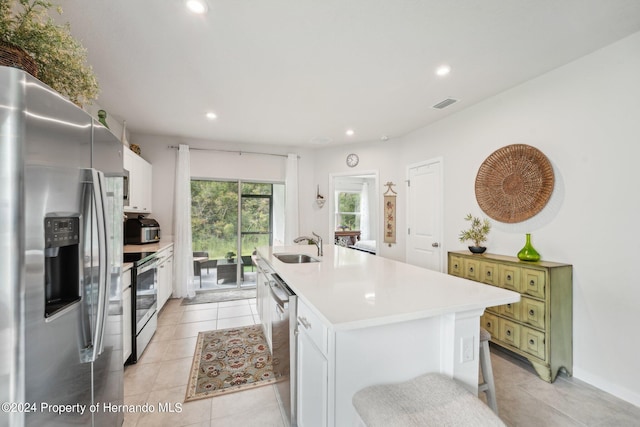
point(523, 399)
point(161, 374)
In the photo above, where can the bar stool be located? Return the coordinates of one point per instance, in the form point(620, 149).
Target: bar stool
point(487, 385)
point(431, 399)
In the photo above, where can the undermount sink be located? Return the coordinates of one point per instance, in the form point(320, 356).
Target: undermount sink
point(296, 258)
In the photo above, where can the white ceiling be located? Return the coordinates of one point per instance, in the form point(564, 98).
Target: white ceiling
point(296, 71)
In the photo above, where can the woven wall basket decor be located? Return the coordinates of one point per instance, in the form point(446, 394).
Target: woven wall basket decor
point(514, 183)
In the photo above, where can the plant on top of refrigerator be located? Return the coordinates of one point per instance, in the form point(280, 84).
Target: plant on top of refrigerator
point(60, 58)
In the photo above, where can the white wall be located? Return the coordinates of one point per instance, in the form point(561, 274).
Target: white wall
point(379, 156)
point(585, 117)
point(211, 164)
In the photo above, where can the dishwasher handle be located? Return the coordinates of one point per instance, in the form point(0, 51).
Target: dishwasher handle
point(279, 295)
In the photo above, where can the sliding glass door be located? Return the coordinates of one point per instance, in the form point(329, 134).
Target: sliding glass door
point(230, 219)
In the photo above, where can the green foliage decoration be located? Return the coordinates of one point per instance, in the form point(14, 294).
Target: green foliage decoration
point(214, 216)
point(478, 231)
point(348, 209)
point(61, 59)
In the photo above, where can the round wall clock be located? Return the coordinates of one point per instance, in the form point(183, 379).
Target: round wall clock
point(352, 160)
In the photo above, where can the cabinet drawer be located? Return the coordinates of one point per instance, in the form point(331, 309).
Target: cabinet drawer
point(511, 310)
point(489, 273)
point(310, 324)
point(472, 270)
point(509, 277)
point(509, 332)
point(456, 266)
point(490, 323)
point(533, 312)
point(533, 282)
point(494, 310)
point(532, 342)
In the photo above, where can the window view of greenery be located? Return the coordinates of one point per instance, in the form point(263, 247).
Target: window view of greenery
point(348, 211)
point(214, 217)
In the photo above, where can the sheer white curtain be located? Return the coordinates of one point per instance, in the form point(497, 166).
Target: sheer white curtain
point(183, 253)
point(291, 225)
point(365, 222)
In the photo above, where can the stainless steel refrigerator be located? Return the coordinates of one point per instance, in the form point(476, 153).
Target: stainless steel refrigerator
point(60, 260)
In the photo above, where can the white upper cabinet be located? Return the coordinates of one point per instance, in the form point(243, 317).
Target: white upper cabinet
point(138, 194)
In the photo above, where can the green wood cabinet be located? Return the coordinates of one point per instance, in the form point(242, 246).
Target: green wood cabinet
point(540, 326)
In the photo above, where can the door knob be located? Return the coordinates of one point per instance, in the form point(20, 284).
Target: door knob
point(435, 245)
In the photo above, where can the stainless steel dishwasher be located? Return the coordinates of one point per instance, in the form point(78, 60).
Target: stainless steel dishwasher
point(283, 342)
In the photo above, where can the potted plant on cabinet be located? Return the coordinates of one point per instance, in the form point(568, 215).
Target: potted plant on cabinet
point(60, 60)
point(477, 233)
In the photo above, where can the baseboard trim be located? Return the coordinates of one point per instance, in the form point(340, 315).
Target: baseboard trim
point(620, 392)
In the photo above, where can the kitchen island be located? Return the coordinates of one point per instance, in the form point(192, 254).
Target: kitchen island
point(366, 320)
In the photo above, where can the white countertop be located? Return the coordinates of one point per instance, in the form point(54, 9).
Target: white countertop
point(352, 289)
point(148, 247)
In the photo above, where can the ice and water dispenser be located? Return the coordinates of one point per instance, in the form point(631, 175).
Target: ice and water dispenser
point(61, 263)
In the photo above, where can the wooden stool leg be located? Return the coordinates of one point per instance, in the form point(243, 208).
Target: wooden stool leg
point(488, 386)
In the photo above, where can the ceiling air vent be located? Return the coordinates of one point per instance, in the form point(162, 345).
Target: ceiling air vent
point(444, 104)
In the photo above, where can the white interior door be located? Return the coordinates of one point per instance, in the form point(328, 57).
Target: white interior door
point(424, 214)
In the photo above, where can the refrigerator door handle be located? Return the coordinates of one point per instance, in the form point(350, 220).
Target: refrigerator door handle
point(100, 203)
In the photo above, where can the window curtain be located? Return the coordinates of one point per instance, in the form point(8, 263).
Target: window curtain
point(291, 226)
point(183, 253)
point(365, 228)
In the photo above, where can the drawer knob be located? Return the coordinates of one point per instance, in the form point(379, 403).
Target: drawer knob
point(531, 312)
point(532, 342)
point(488, 324)
point(455, 266)
point(532, 283)
point(471, 269)
point(508, 333)
point(488, 274)
point(508, 277)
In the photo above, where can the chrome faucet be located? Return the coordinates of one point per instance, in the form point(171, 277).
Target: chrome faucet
point(317, 240)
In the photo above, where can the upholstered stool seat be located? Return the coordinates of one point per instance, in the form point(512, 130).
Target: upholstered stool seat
point(429, 400)
point(487, 385)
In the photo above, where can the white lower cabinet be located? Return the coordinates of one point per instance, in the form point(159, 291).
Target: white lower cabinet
point(334, 364)
point(126, 315)
point(313, 369)
point(263, 299)
point(313, 375)
point(165, 275)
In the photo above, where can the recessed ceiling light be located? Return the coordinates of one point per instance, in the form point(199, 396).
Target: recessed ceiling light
point(197, 6)
point(350, 132)
point(211, 116)
point(443, 70)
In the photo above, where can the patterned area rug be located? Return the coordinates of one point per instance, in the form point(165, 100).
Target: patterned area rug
point(229, 360)
point(219, 296)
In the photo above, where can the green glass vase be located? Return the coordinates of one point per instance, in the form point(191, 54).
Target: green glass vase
point(528, 253)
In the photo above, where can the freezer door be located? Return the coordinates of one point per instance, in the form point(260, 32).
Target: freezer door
point(56, 139)
point(55, 346)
